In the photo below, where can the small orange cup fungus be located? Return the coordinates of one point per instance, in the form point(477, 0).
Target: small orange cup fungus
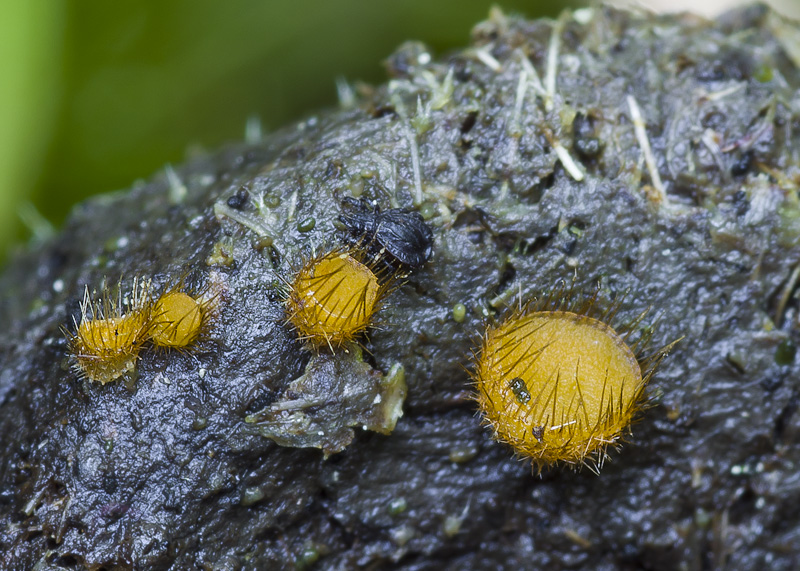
point(177, 320)
point(106, 343)
point(561, 386)
point(333, 298)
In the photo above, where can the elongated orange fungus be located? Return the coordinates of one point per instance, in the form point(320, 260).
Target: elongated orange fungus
point(560, 386)
point(333, 298)
point(107, 341)
point(177, 320)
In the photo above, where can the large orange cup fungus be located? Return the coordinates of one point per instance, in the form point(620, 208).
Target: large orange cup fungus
point(561, 386)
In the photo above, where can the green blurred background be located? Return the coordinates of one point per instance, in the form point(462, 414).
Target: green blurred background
point(95, 94)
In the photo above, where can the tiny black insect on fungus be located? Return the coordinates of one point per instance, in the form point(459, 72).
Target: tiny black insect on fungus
point(400, 233)
point(517, 386)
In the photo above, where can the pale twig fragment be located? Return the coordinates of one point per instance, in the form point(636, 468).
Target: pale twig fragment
point(533, 75)
point(644, 143)
point(252, 130)
point(552, 61)
point(569, 164)
point(522, 86)
point(177, 190)
point(441, 93)
point(245, 219)
point(786, 294)
point(346, 93)
point(413, 149)
point(563, 155)
point(41, 228)
point(487, 58)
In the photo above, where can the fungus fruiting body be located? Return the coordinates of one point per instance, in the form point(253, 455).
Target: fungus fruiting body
point(560, 384)
point(106, 343)
point(333, 298)
point(179, 319)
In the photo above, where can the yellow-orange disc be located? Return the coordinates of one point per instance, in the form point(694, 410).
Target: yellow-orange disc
point(333, 298)
point(177, 320)
point(557, 386)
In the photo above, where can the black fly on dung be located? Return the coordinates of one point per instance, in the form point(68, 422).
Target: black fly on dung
point(396, 236)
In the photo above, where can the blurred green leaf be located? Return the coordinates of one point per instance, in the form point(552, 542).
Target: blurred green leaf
point(30, 42)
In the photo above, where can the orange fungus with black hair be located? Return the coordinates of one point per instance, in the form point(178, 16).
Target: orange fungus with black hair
point(560, 386)
point(177, 320)
point(333, 299)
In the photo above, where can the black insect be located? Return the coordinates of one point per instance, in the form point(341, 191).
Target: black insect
point(396, 235)
point(520, 391)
